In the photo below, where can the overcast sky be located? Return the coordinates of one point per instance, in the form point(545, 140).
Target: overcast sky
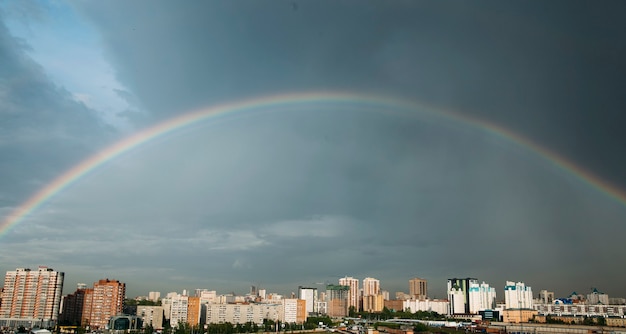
point(282, 198)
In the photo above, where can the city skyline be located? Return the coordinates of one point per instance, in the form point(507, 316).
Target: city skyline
point(359, 285)
point(33, 298)
point(229, 144)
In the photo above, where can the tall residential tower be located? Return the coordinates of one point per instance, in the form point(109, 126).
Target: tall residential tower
point(418, 288)
point(34, 296)
point(353, 283)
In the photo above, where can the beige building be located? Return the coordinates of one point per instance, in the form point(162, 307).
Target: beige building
point(337, 300)
point(353, 298)
point(32, 295)
point(418, 288)
point(517, 316)
point(371, 286)
point(373, 303)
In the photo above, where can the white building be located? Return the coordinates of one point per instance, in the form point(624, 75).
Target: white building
point(580, 310)
point(292, 312)
point(458, 294)
point(545, 297)
point(428, 305)
point(154, 296)
point(518, 295)
point(175, 307)
point(597, 297)
point(309, 295)
point(151, 316)
point(242, 313)
point(481, 297)
point(208, 296)
point(322, 306)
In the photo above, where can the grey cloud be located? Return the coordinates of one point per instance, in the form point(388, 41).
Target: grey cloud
point(322, 192)
point(43, 130)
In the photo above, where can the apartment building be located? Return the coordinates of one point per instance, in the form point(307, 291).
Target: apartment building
point(242, 313)
point(73, 306)
point(353, 284)
point(294, 310)
point(31, 297)
point(418, 288)
point(104, 301)
point(518, 296)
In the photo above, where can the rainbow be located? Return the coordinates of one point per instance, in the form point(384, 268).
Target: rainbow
point(347, 100)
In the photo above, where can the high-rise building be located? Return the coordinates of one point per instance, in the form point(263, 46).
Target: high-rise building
point(481, 297)
point(373, 303)
point(178, 308)
point(208, 296)
point(309, 295)
point(337, 300)
point(418, 288)
point(193, 311)
point(154, 296)
point(294, 310)
point(73, 305)
point(353, 284)
point(596, 297)
point(458, 294)
point(34, 296)
point(373, 300)
point(371, 287)
point(104, 301)
point(518, 296)
point(546, 297)
point(151, 316)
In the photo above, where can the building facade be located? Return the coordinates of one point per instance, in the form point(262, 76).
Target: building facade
point(371, 287)
point(337, 300)
point(30, 295)
point(418, 288)
point(481, 297)
point(193, 311)
point(373, 303)
point(353, 284)
point(242, 313)
point(518, 296)
point(597, 298)
point(294, 310)
point(546, 297)
point(458, 294)
point(154, 296)
point(428, 305)
point(104, 301)
point(309, 295)
point(178, 307)
point(73, 305)
point(151, 316)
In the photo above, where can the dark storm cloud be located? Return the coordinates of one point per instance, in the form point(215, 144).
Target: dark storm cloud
point(43, 130)
point(552, 71)
point(348, 193)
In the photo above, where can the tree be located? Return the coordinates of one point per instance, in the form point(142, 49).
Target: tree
point(352, 311)
point(148, 329)
point(419, 327)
